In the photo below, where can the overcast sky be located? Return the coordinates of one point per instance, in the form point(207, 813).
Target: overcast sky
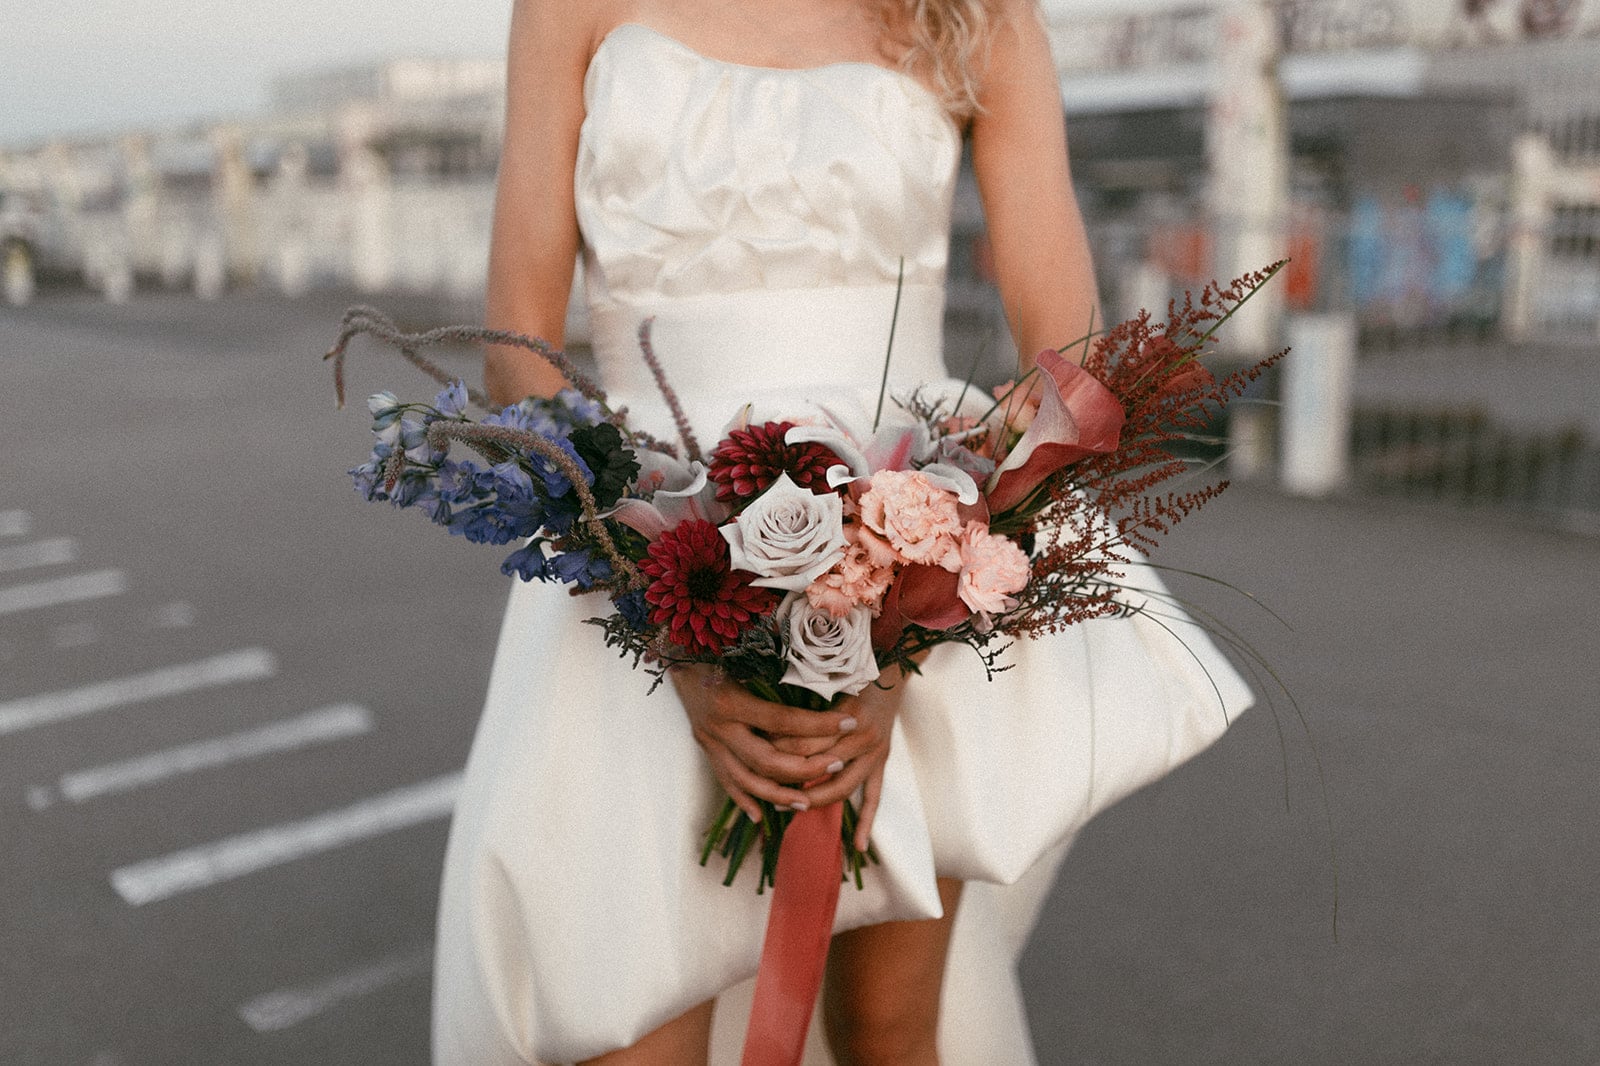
point(70, 66)
point(86, 65)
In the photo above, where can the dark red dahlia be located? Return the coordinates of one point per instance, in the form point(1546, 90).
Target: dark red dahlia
point(750, 460)
point(696, 593)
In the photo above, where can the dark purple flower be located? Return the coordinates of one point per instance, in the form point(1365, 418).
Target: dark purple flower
point(528, 563)
point(579, 568)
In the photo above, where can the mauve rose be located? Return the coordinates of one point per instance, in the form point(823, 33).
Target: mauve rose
point(828, 655)
point(787, 536)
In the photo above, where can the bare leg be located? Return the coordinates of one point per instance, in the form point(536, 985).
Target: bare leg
point(881, 1002)
point(680, 1042)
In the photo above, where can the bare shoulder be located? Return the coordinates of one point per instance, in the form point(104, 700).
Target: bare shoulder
point(1020, 17)
point(1018, 67)
point(561, 32)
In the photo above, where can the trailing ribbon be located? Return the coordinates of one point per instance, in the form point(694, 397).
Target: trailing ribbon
point(805, 895)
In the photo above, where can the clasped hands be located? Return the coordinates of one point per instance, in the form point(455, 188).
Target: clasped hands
point(790, 756)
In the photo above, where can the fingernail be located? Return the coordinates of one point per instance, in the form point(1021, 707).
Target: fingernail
point(835, 766)
point(799, 805)
point(846, 724)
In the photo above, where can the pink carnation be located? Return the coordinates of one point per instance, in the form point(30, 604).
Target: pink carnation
point(917, 518)
point(991, 569)
point(857, 581)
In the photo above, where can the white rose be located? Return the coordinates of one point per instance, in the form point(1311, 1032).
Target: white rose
point(788, 536)
point(828, 655)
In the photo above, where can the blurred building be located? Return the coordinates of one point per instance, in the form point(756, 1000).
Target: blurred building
point(377, 176)
point(1440, 158)
point(1430, 164)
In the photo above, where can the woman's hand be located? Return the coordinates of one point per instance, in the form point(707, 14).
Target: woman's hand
point(763, 750)
point(864, 751)
point(736, 729)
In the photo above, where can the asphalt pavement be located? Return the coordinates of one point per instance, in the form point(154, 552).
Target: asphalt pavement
point(234, 699)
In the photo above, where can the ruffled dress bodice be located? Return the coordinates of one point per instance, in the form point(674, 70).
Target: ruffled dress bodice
point(762, 218)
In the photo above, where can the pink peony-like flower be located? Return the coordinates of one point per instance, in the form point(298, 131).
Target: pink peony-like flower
point(857, 580)
point(992, 568)
point(918, 519)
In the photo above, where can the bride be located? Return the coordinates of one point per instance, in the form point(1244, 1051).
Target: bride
point(756, 176)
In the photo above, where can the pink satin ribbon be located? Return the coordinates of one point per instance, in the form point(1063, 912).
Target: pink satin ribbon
point(799, 929)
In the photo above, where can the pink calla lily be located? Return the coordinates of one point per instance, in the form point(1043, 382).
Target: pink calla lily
point(929, 597)
point(1078, 417)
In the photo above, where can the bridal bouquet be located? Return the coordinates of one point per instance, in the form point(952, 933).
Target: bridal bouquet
point(808, 550)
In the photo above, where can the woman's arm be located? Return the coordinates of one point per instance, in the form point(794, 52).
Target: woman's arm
point(535, 239)
point(1019, 155)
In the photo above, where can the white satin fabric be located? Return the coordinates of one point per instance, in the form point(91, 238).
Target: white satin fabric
point(761, 217)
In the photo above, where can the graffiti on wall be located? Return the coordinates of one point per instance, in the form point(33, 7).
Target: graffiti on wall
point(1341, 25)
point(1187, 35)
point(1492, 21)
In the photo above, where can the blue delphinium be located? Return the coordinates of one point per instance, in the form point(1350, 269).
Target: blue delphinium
point(555, 479)
point(580, 567)
point(579, 409)
point(528, 498)
point(368, 477)
point(452, 400)
point(529, 563)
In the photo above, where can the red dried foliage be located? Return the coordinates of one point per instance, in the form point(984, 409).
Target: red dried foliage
point(1169, 397)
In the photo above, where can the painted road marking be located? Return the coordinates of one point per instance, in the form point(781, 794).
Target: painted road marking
point(178, 614)
point(251, 664)
point(290, 1006)
point(52, 552)
point(292, 734)
point(235, 856)
point(15, 523)
point(74, 588)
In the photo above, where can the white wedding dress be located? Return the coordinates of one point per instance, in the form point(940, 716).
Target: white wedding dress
point(761, 216)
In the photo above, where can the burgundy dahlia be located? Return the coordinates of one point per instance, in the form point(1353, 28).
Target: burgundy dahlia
point(696, 593)
point(750, 460)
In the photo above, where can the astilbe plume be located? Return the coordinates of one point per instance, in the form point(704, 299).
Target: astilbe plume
point(747, 463)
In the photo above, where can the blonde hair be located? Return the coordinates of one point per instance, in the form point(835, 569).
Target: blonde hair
point(946, 40)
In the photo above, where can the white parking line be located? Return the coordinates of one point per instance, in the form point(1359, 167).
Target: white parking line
point(247, 853)
point(292, 734)
point(15, 523)
point(291, 1006)
point(74, 588)
point(251, 664)
point(52, 552)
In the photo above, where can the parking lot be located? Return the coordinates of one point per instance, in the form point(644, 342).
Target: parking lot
point(234, 701)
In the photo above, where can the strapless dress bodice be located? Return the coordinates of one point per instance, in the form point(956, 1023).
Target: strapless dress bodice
point(762, 218)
